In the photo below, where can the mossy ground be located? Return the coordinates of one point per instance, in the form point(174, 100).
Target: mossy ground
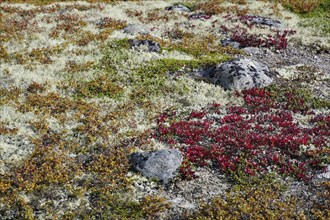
point(95, 100)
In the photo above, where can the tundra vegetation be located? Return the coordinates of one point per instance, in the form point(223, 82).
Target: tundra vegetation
point(75, 101)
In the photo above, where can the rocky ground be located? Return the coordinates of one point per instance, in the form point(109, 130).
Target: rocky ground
point(239, 88)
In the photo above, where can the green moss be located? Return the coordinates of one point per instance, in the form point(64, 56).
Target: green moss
point(154, 77)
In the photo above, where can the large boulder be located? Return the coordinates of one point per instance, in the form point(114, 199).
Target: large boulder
point(149, 45)
point(161, 164)
point(238, 74)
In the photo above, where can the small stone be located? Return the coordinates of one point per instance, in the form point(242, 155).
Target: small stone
point(179, 8)
point(161, 164)
point(151, 46)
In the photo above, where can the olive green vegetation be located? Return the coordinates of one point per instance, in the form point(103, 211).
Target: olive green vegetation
point(95, 177)
point(318, 18)
point(258, 199)
point(154, 77)
point(100, 87)
point(303, 99)
point(264, 197)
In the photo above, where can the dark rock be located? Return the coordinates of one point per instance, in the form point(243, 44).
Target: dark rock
point(238, 74)
point(179, 8)
point(200, 16)
point(161, 164)
point(230, 42)
point(259, 20)
point(151, 45)
point(134, 29)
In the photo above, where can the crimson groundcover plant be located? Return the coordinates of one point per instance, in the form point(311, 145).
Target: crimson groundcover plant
point(277, 39)
point(259, 137)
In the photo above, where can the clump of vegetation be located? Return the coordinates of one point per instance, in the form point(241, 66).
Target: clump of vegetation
point(197, 46)
point(51, 103)
point(107, 22)
point(100, 87)
point(234, 143)
point(3, 53)
point(301, 6)
point(319, 18)
point(5, 130)
point(296, 99)
point(9, 95)
point(261, 199)
point(35, 87)
point(157, 15)
point(114, 206)
point(277, 39)
point(45, 166)
point(74, 67)
point(212, 7)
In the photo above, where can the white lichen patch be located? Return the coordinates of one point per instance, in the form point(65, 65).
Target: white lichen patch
point(13, 151)
point(288, 72)
point(202, 93)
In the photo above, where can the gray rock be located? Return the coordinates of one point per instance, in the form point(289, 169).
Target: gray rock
point(179, 8)
point(325, 175)
point(134, 29)
point(151, 46)
point(230, 42)
point(161, 164)
point(238, 74)
point(254, 19)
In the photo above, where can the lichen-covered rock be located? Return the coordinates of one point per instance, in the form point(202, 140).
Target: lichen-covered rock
point(238, 74)
point(149, 45)
point(179, 8)
point(134, 29)
point(161, 164)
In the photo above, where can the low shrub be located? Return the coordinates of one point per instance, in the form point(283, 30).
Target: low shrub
point(256, 138)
